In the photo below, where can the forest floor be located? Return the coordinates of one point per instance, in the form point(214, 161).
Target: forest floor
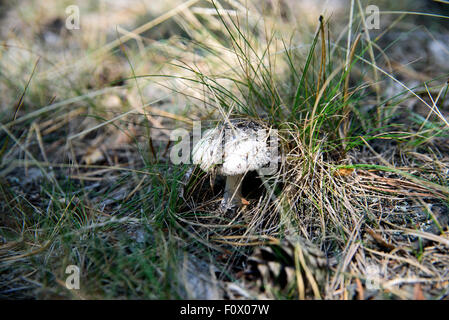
point(92, 94)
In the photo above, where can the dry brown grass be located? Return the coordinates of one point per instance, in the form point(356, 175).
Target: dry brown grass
point(88, 149)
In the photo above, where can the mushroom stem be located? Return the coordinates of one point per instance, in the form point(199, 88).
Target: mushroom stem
point(233, 192)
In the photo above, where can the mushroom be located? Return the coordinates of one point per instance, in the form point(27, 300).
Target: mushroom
point(232, 149)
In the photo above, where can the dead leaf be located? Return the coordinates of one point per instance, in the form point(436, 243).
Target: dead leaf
point(344, 172)
point(361, 292)
point(111, 101)
point(418, 294)
point(93, 155)
point(378, 238)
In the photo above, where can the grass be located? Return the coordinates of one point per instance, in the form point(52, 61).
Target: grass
point(86, 177)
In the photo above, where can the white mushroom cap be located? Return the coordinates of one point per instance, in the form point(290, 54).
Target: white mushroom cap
point(233, 148)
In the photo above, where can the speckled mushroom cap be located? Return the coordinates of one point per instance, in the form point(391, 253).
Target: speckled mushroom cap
point(233, 148)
